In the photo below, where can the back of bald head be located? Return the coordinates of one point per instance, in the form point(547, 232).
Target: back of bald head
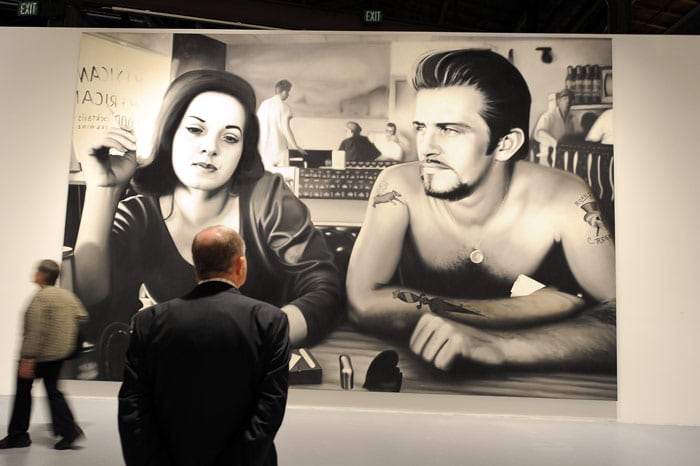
point(215, 250)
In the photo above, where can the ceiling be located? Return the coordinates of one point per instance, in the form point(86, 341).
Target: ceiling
point(486, 16)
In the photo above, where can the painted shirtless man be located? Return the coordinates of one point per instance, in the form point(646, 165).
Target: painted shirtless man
point(447, 239)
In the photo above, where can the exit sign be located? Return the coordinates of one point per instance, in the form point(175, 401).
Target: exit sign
point(28, 8)
point(373, 16)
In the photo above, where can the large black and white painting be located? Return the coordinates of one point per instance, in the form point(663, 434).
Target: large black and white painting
point(479, 260)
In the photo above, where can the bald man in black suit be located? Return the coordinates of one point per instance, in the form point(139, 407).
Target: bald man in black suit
point(205, 380)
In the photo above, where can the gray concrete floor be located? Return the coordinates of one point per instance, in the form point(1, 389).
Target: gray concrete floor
point(346, 436)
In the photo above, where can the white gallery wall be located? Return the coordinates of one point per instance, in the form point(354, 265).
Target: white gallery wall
point(657, 166)
point(657, 177)
point(38, 66)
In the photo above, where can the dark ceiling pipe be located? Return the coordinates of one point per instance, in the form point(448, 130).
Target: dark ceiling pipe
point(619, 16)
point(688, 24)
point(588, 12)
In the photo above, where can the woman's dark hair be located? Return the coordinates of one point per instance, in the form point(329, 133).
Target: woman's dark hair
point(504, 88)
point(158, 178)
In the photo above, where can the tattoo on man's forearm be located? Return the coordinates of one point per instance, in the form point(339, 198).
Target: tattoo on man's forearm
point(436, 304)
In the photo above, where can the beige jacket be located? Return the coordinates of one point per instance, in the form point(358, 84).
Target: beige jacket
point(51, 324)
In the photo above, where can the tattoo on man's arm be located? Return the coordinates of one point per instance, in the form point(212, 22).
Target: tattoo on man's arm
point(583, 199)
point(594, 218)
point(386, 196)
point(436, 305)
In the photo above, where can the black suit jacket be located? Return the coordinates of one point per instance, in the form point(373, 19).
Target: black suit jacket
point(205, 381)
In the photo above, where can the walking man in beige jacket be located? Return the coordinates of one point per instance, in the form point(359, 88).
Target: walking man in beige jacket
point(50, 331)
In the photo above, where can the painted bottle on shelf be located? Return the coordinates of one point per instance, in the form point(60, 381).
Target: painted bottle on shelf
point(578, 85)
point(570, 80)
point(597, 85)
point(587, 84)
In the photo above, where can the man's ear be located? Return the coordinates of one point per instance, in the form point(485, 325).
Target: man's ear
point(240, 271)
point(510, 144)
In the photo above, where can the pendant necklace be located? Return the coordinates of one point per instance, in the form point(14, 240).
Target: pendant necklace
point(476, 256)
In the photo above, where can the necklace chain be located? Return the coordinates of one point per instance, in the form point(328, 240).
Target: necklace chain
point(476, 255)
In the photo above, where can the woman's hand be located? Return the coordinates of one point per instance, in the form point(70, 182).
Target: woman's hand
point(105, 169)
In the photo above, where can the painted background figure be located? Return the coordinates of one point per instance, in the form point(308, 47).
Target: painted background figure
point(276, 135)
point(358, 148)
point(556, 123)
point(474, 221)
point(390, 145)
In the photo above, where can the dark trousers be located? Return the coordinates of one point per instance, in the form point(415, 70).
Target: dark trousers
point(61, 416)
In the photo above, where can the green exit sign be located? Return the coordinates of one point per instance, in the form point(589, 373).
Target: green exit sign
point(373, 16)
point(28, 9)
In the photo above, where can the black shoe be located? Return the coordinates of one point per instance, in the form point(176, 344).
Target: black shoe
point(67, 442)
point(18, 441)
